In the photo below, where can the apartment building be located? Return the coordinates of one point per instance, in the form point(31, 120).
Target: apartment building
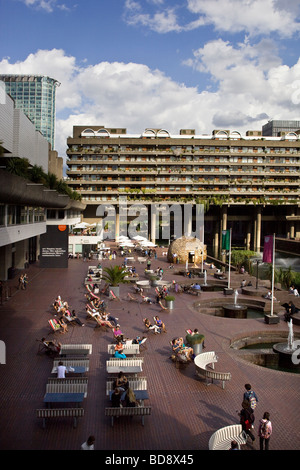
point(249, 182)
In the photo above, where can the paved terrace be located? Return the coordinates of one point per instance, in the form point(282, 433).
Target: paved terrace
point(185, 412)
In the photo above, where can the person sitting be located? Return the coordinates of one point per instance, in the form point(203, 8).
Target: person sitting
point(243, 283)
point(72, 317)
point(130, 398)
point(269, 296)
point(117, 332)
point(121, 382)
point(116, 398)
point(107, 316)
point(290, 310)
point(119, 350)
point(196, 286)
point(183, 349)
point(52, 346)
point(149, 326)
point(146, 299)
point(63, 325)
point(160, 324)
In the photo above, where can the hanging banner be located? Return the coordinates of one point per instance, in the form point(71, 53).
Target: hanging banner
point(226, 239)
point(268, 249)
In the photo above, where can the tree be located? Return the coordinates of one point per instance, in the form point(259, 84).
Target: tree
point(114, 275)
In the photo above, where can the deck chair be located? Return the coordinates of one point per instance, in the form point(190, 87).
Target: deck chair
point(55, 326)
point(44, 348)
point(96, 318)
point(162, 306)
point(90, 290)
point(113, 296)
point(142, 344)
point(131, 297)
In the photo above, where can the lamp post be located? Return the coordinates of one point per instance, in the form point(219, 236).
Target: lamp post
point(258, 261)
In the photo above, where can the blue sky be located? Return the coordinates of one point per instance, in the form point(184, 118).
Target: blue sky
point(176, 64)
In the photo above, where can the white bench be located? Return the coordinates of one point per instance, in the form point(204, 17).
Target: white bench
point(70, 364)
point(46, 413)
point(221, 439)
point(128, 411)
point(66, 388)
point(134, 383)
point(76, 349)
point(203, 361)
point(141, 260)
point(129, 349)
point(134, 366)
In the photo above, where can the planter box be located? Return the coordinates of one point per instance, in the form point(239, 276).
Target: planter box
point(228, 291)
point(170, 304)
point(272, 319)
point(115, 290)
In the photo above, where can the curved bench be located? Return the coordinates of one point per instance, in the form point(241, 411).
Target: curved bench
point(202, 361)
point(221, 439)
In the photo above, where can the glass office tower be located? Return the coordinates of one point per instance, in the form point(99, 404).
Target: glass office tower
point(35, 95)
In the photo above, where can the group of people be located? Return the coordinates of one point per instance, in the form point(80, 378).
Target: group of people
point(158, 326)
point(181, 350)
point(123, 395)
point(66, 314)
point(23, 281)
point(247, 419)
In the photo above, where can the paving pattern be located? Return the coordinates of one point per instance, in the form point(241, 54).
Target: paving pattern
point(185, 411)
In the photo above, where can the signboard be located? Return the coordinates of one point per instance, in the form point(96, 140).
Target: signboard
point(54, 247)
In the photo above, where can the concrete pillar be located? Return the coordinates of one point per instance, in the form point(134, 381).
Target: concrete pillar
point(248, 236)
point(153, 226)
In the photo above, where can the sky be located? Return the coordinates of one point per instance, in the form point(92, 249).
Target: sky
point(170, 64)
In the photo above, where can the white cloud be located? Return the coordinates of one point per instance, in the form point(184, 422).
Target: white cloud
point(254, 17)
point(130, 95)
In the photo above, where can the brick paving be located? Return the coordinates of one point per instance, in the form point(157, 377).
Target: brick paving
point(185, 412)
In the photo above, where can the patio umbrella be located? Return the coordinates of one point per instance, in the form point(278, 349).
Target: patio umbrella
point(81, 225)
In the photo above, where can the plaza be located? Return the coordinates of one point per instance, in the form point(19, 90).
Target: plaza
point(185, 411)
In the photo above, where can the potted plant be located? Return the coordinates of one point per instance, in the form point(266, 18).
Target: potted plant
point(196, 341)
point(114, 276)
point(169, 299)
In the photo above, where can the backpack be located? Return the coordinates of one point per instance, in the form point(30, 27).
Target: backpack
point(252, 400)
point(265, 429)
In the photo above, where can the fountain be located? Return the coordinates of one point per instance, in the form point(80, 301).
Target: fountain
point(286, 350)
point(205, 286)
point(235, 310)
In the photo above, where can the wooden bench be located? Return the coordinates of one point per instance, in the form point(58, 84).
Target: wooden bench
point(46, 413)
point(66, 388)
point(221, 439)
point(134, 383)
point(114, 366)
point(75, 350)
point(129, 349)
point(202, 361)
point(127, 411)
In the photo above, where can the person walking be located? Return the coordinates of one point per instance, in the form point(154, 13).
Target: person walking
point(247, 419)
point(264, 431)
point(251, 396)
point(88, 444)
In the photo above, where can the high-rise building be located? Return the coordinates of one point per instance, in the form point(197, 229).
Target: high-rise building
point(278, 127)
point(35, 96)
